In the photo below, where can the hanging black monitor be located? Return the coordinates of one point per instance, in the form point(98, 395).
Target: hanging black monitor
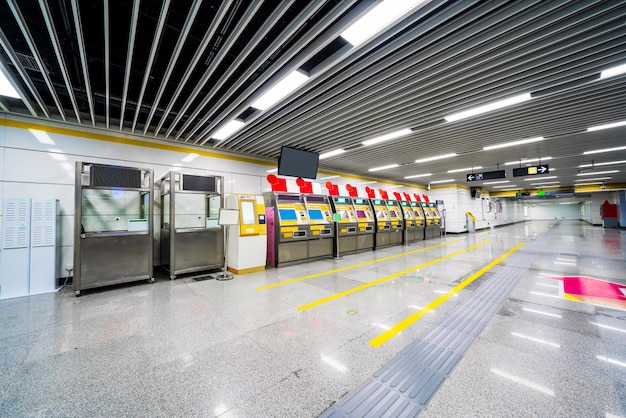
point(297, 163)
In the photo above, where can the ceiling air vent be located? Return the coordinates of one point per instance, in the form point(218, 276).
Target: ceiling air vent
point(27, 61)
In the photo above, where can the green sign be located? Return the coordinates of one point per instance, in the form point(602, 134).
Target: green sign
point(541, 193)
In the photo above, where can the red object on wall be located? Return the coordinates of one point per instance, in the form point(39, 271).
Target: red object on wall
point(608, 210)
point(352, 191)
point(333, 189)
point(278, 184)
point(305, 186)
point(426, 199)
point(407, 197)
point(383, 194)
point(417, 197)
point(370, 193)
point(398, 195)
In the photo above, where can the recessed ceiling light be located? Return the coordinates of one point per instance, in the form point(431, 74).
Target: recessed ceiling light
point(529, 160)
point(610, 72)
point(597, 164)
point(598, 151)
point(542, 178)
point(228, 129)
point(441, 181)
point(458, 170)
point(280, 90)
point(384, 167)
point(597, 178)
point(489, 107)
point(331, 153)
point(438, 157)
point(593, 173)
point(375, 20)
point(514, 143)
point(387, 137)
point(418, 175)
point(497, 182)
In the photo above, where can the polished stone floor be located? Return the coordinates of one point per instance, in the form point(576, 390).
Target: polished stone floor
point(293, 341)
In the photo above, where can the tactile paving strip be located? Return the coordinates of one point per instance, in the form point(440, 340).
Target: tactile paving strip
point(404, 386)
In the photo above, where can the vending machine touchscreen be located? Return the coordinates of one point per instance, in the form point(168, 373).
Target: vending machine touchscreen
point(347, 225)
point(396, 230)
point(366, 224)
point(321, 226)
point(420, 223)
point(383, 223)
point(409, 222)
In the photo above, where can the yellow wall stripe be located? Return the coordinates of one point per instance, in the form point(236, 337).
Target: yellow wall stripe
point(378, 260)
point(384, 279)
point(408, 321)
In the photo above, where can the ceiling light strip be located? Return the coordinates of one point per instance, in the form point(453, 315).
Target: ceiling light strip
point(489, 107)
point(437, 157)
point(376, 19)
point(514, 143)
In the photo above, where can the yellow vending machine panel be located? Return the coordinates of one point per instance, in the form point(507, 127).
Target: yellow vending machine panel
point(247, 242)
point(410, 228)
point(429, 231)
point(289, 225)
point(420, 223)
point(383, 223)
point(436, 219)
point(346, 234)
point(366, 224)
point(396, 230)
point(321, 226)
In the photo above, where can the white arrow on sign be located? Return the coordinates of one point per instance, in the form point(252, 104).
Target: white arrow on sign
point(470, 177)
point(543, 169)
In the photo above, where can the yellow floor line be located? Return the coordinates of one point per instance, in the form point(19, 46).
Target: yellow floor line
point(384, 279)
point(409, 320)
point(365, 263)
point(378, 260)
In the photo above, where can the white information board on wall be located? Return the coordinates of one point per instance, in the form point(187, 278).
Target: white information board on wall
point(14, 265)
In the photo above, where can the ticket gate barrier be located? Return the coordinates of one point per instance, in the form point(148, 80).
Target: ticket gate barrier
point(410, 228)
point(420, 222)
point(288, 228)
point(321, 240)
point(431, 228)
point(383, 223)
point(247, 242)
point(396, 231)
point(366, 224)
point(436, 219)
point(347, 225)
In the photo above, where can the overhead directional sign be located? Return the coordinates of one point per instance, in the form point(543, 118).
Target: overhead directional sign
point(531, 171)
point(487, 175)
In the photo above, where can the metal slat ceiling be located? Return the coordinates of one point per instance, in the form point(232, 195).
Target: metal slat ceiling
point(178, 70)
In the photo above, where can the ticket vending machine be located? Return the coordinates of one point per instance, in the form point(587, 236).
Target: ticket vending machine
point(396, 230)
point(366, 224)
point(247, 242)
point(383, 223)
point(288, 228)
point(429, 231)
point(320, 244)
point(436, 219)
point(410, 227)
point(347, 224)
point(420, 222)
